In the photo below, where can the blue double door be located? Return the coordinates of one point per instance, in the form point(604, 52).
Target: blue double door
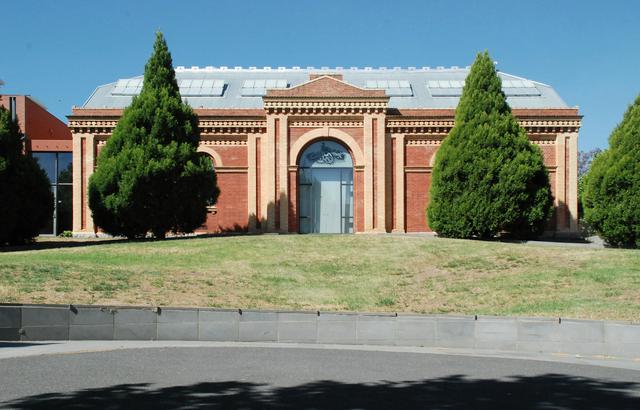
point(325, 189)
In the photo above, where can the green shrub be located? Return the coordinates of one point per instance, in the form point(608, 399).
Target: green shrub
point(611, 197)
point(26, 200)
point(488, 179)
point(149, 176)
point(66, 234)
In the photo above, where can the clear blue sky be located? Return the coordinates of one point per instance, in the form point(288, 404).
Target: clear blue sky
point(59, 51)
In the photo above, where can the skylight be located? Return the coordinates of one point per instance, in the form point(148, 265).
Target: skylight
point(258, 88)
point(128, 87)
point(393, 88)
point(201, 88)
point(188, 87)
point(453, 88)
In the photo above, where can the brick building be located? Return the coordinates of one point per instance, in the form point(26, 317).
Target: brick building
point(49, 141)
point(329, 150)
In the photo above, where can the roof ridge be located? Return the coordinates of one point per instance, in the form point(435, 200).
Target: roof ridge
point(312, 68)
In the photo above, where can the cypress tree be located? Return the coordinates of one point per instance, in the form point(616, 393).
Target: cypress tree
point(611, 197)
point(26, 200)
point(488, 179)
point(150, 177)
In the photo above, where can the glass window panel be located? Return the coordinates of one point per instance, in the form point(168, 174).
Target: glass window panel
point(247, 84)
point(65, 163)
point(185, 83)
point(63, 209)
point(259, 84)
point(383, 84)
point(47, 229)
point(394, 84)
point(434, 84)
point(282, 84)
point(196, 84)
point(218, 83)
point(528, 84)
point(47, 161)
point(207, 83)
point(270, 83)
point(405, 84)
point(444, 84)
point(517, 84)
point(371, 84)
point(326, 154)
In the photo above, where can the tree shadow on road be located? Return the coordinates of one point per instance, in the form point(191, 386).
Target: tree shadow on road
point(555, 391)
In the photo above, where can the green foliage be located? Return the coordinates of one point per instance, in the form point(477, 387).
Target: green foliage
point(488, 179)
point(150, 177)
point(611, 196)
point(26, 200)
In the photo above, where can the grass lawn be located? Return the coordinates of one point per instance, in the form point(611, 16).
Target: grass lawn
point(327, 272)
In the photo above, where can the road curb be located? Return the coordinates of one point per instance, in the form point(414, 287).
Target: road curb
point(26, 322)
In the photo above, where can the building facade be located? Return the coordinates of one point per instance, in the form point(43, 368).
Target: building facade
point(49, 141)
point(329, 150)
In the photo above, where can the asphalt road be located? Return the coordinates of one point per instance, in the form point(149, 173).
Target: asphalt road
point(259, 377)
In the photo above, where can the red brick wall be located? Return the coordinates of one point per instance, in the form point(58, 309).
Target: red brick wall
point(232, 155)
point(416, 200)
point(232, 204)
point(45, 132)
point(419, 155)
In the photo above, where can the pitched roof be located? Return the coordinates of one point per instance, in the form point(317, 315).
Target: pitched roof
point(531, 94)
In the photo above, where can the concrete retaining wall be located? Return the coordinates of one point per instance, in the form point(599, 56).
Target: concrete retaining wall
point(64, 322)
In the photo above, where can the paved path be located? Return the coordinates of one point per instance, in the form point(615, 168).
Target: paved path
point(217, 375)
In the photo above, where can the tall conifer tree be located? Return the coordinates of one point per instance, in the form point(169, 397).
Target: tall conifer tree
point(149, 176)
point(488, 179)
point(611, 197)
point(26, 200)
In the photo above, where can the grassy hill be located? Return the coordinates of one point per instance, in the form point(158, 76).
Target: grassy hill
point(331, 272)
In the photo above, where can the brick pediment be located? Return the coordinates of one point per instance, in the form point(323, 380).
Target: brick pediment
point(326, 87)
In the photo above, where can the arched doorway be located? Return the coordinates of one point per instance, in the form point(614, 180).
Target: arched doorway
point(325, 189)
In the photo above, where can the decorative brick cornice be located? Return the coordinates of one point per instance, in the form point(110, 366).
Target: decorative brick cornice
point(238, 140)
point(443, 126)
point(433, 140)
point(321, 123)
point(328, 107)
point(207, 126)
